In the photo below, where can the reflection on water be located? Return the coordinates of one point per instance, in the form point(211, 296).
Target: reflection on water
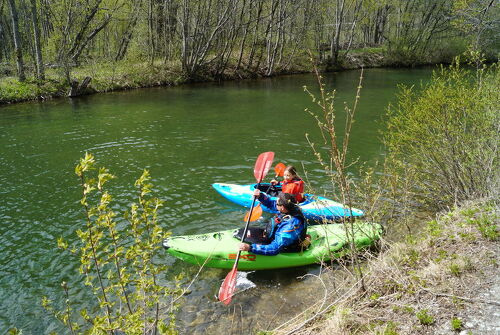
point(188, 137)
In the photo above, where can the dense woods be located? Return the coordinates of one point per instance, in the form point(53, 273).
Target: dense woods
point(216, 38)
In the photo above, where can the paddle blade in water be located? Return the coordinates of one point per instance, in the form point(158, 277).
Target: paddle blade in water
point(228, 286)
point(280, 169)
point(262, 165)
point(256, 214)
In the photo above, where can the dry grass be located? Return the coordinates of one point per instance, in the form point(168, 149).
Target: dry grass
point(417, 286)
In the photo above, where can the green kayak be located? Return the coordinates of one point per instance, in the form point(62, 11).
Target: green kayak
point(219, 249)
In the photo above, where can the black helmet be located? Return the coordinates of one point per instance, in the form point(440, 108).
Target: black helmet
point(288, 201)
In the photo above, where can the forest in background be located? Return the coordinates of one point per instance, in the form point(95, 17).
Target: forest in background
point(123, 43)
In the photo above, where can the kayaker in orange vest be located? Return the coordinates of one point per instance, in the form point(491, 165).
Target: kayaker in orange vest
point(291, 184)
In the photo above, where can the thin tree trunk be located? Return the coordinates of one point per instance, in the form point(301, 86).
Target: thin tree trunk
point(17, 41)
point(79, 38)
point(245, 34)
point(152, 48)
point(3, 35)
point(339, 20)
point(255, 35)
point(89, 38)
point(38, 50)
point(129, 31)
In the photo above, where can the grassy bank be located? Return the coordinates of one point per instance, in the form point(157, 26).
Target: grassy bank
point(106, 77)
point(442, 150)
point(427, 284)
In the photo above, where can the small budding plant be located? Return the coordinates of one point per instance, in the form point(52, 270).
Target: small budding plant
point(118, 263)
point(425, 318)
point(456, 324)
point(332, 153)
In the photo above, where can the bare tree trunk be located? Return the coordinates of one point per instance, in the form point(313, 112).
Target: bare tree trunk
point(171, 19)
point(339, 21)
point(152, 47)
point(77, 41)
point(40, 71)
point(185, 35)
point(76, 55)
point(3, 34)
point(201, 30)
point(17, 41)
point(245, 34)
point(355, 14)
point(274, 33)
point(127, 35)
point(255, 34)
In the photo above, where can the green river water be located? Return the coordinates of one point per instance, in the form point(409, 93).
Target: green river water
point(188, 137)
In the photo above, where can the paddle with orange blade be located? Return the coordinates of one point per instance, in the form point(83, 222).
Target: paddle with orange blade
point(254, 215)
point(262, 165)
point(280, 172)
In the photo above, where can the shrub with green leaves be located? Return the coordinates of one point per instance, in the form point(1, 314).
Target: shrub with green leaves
point(448, 134)
point(118, 262)
point(456, 324)
point(424, 317)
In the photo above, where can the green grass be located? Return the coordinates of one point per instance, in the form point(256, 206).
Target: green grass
point(12, 90)
point(372, 50)
point(455, 269)
point(105, 77)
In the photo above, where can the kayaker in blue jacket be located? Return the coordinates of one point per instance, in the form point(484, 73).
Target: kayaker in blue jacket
point(288, 229)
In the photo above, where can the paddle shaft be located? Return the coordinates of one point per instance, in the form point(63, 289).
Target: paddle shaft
point(262, 165)
point(235, 266)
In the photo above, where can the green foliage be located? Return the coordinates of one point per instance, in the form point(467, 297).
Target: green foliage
point(411, 257)
point(434, 228)
point(487, 226)
point(108, 76)
point(442, 254)
point(409, 309)
point(456, 324)
point(455, 269)
point(447, 135)
point(12, 90)
point(390, 329)
point(117, 260)
point(469, 212)
point(424, 317)
point(479, 24)
point(174, 41)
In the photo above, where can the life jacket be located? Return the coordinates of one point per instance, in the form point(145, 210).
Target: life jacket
point(271, 226)
point(294, 187)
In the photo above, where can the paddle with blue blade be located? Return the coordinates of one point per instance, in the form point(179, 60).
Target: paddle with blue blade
point(262, 165)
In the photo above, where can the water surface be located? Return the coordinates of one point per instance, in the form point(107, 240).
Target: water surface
point(188, 137)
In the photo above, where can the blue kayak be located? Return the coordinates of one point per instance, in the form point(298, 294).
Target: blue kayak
point(315, 208)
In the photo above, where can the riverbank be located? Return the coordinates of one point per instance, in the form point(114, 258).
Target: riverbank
point(440, 281)
point(107, 77)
